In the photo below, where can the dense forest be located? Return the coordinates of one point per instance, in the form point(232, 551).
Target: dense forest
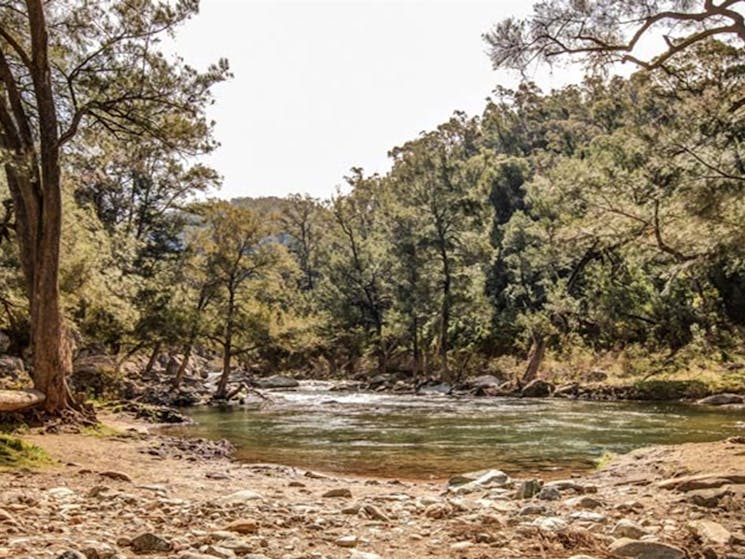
point(600, 222)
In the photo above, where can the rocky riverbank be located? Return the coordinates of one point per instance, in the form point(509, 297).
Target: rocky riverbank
point(129, 492)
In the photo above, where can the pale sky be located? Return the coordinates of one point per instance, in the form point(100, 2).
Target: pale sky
point(321, 87)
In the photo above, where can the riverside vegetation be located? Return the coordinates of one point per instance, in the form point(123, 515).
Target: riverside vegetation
point(584, 242)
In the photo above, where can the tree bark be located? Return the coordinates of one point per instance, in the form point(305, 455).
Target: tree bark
point(52, 354)
point(539, 350)
point(182, 368)
point(227, 347)
point(153, 358)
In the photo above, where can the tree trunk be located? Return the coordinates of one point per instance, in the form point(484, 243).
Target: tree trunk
point(227, 348)
point(153, 358)
point(52, 355)
point(539, 350)
point(182, 368)
point(445, 314)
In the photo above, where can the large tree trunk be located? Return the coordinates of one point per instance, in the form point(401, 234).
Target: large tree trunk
point(35, 184)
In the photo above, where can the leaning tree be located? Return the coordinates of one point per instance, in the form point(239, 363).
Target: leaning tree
point(68, 66)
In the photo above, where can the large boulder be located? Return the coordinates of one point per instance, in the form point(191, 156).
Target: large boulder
point(12, 367)
point(95, 375)
point(537, 388)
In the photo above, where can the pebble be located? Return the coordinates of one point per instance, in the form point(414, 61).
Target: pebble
point(710, 532)
point(346, 541)
point(243, 526)
point(338, 492)
point(627, 529)
point(239, 497)
point(357, 554)
point(148, 543)
point(626, 547)
point(119, 476)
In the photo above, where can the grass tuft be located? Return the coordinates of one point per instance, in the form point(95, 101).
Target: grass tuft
point(15, 453)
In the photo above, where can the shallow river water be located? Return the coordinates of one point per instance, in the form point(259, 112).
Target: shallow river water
point(432, 437)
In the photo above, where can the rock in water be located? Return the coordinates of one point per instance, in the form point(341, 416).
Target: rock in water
point(721, 400)
point(645, 550)
point(277, 381)
point(482, 477)
point(537, 389)
point(149, 543)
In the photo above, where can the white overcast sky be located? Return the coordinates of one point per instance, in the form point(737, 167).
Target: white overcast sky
point(321, 87)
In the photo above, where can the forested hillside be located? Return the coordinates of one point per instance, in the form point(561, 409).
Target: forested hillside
point(602, 221)
point(599, 225)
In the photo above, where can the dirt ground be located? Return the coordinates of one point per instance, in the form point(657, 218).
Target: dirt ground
point(105, 494)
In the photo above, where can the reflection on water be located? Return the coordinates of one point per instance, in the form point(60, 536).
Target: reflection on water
point(429, 436)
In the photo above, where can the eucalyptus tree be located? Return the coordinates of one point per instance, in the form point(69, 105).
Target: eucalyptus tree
point(236, 252)
point(68, 66)
point(439, 176)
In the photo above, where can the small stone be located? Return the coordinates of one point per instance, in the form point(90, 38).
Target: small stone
point(481, 477)
point(627, 529)
point(219, 552)
point(338, 492)
point(375, 513)
point(6, 517)
point(708, 498)
point(346, 541)
point(584, 502)
point(149, 543)
point(119, 476)
point(710, 532)
point(71, 554)
point(357, 554)
point(61, 493)
point(528, 489)
point(532, 510)
point(588, 516)
point(461, 546)
point(243, 526)
point(626, 547)
point(239, 497)
point(550, 523)
point(549, 494)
